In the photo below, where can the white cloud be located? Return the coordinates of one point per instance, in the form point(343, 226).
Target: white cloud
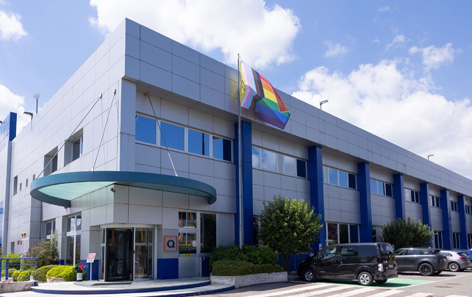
point(390, 103)
point(334, 50)
point(384, 8)
point(399, 39)
point(10, 26)
point(10, 102)
point(260, 34)
point(434, 57)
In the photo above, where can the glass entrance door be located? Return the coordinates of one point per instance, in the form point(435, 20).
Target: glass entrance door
point(143, 256)
point(119, 254)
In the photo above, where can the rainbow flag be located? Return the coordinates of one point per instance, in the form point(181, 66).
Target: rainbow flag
point(258, 94)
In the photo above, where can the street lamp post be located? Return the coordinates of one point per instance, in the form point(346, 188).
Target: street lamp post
point(36, 96)
point(323, 102)
point(431, 155)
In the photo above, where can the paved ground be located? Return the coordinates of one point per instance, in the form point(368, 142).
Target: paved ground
point(447, 284)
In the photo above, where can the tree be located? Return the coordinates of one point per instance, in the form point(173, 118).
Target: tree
point(45, 251)
point(407, 233)
point(289, 227)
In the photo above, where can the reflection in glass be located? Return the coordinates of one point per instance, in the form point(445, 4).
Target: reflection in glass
point(198, 142)
point(221, 148)
point(255, 158)
point(373, 186)
point(268, 160)
point(332, 233)
point(342, 178)
point(172, 136)
point(187, 219)
point(143, 257)
point(207, 232)
point(289, 165)
point(332, 176)
point(187, 243)
point(343, 233)
point(145, 129)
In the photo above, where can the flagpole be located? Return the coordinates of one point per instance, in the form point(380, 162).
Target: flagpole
point(240, 174)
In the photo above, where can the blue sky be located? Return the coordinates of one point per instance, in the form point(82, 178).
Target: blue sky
point(399, 69)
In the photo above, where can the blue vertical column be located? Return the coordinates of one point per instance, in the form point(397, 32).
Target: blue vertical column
point(462, 221)
point(363, 185)
point(446, 217)
point(424, 200)
point(246, 137)
point(315, 176)
point(399, 196)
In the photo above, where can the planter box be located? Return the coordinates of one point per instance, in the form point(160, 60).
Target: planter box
point(249, 280)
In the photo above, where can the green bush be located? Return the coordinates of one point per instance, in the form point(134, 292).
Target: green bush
point(10, 271)
point(249, 253)
point(42, 272)
point(15, 274)
point(68, 273)
point(234, 268)
point(24, 275)
point(12, 263)
point(45, 251)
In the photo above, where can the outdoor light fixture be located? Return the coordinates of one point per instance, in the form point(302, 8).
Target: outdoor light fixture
point(323, 102)
point(432, 155)
point(29, 113)
point(36, 96)
point(1, 122)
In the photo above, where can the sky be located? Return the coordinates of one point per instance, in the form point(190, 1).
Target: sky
point(398, 69)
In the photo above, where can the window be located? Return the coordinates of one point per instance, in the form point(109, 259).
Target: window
point(412, 195)
point(301, 168)
point(198, 143)
point(15, 185)
point(77, 147)
point(469, 241)
point(455, 240)
point(341, 233)
point(435, 201)
point(222, 149)
point(377, 233)
point(21, 186)
point(468, 209)
point(74, 227)
point(454, 206)
point(340, 177)
point(380, 188)
point(26, 183)
point(50, 229)
point(187, 219)
point(50, 162)
point(327, 253)
point(187, 243)
point(172, 136)
point(256, 160)
point(269, 160)
point(289, 165)
point(438, 240)
point(145, 129)
point(207, 232)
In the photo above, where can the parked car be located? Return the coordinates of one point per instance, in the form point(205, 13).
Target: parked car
point(365, 262)
point(426, 261)
point(456, 261)
point(468, 252)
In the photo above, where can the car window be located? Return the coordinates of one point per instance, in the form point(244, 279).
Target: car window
point(400, 252)
point(463, 254)
point(367, 251)
point(347, 251)
point(428, 252)
point(413, 252)
point(446, 254)
point(327, 253)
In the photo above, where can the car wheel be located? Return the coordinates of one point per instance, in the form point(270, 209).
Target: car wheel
point(426, 269)
point(454, 267)
point(309, 275)
point(365, 278)
point(381, 281)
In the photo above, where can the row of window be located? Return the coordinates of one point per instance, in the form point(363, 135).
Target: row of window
point(454, 206)
point(380, 188)
point(412, 195)
point(157, 132)
point(189, 229)
point(435, 201)
point(277, 162)
point(339, 177)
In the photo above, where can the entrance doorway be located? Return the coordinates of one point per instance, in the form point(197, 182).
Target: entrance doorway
point(126, 253)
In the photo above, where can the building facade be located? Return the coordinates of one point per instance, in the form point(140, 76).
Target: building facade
point(136, 159)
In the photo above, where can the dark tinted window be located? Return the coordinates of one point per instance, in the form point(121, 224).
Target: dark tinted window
point(400, 252)
point(388, 190)
point(347, 251)
point(145, 129)
point(414, 252)
point(172, 136)
point(198, 142)
point(222, 148)
point(301, 168)
point(352, 181)
point(328, 252)
point(367, 250)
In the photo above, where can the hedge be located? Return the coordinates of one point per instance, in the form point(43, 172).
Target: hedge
point(249, 253)
point(234, 268)
point(68, 273)
point(42, 272)
point(25, 275)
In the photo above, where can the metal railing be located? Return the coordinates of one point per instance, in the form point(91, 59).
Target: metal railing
point(20, 269)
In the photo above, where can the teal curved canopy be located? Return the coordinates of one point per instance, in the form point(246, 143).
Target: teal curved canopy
point(60, 189)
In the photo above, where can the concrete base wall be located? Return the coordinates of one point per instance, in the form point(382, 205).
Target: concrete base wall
point(6, 287)
point(248, 280)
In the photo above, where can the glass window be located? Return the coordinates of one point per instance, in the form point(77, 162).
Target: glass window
point(256, 157)
point(301, 168)
point(145, 129)
point(332, 233)
point(289, 165)
point(207, 232)
point(380, 188)
point(187, 243)
point(352, 181)
point(50, 228)
point(268, 160)
point(77, 149)
point(327, 253)
point(373, 186)
point(54, 164)
point(342, 178)
point(332, 176)
point(198, 142)
point(172, 136)
point(187, 219)
point(343, 233)
point(388, 190)
point(15, 185)
point(221, 148)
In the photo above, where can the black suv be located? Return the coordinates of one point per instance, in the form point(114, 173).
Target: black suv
point(365, 262)
point(426, 261)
